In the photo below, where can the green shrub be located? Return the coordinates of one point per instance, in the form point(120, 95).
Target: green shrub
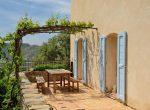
point(10, 95)
point(42, 67)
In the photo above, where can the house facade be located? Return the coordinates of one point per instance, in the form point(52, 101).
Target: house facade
point(115, 57)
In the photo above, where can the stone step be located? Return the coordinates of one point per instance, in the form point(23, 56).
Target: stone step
point(35, 97)
point(29, 95)
point(28, 86)
point(35, 91)
point(23, 80)
point(33, 101)
point(31, 98)
point(39, 107)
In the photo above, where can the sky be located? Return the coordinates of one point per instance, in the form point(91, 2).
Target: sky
point(39, 10)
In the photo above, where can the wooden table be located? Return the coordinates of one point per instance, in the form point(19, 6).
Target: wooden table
point(58, 73)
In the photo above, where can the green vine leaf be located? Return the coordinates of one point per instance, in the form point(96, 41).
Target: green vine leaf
point(65, 22)
point(26, 23)
point(90, 24)
point(2, 43)
point(52, 21)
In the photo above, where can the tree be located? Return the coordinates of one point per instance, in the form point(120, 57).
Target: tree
point(57, 48)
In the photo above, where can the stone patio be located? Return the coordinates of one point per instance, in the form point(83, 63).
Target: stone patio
point(85, 99)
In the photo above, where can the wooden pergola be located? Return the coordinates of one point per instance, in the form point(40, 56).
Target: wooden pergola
point(44, 29)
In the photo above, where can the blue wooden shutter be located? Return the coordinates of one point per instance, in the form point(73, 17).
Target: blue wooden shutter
point(121, 66)
point(75, 58)
point(102, 53)
point(84, 60)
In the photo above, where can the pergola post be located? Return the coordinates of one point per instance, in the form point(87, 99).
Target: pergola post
point(17, 54)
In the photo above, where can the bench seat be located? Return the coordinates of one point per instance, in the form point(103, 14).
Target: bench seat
point(40, 83)
point(73, 81)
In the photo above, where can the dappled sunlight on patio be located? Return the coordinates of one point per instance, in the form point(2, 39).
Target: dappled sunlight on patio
point(86, 99)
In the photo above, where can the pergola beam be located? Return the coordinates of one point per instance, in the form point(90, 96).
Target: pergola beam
point(52, 29)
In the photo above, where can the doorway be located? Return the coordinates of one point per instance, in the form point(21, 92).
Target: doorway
point(111, 65)
point(79, 51)
point(80, 59)
point(113, 60)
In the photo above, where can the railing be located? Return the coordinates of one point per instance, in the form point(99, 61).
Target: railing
point(28, 65)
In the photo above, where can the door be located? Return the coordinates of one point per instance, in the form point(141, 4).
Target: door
point(75, 58)
point(121, 65)
point(84, 60)
point(102, 53)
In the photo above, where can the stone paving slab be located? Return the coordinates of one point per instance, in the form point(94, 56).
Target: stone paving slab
point(39, 107)
point(29, 95)
point(26, 81)
point(34, 101)
point(31, 90)
point(28, 87)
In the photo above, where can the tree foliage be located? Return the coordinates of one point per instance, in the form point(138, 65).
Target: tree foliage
point(57, 48)
point(9, 86)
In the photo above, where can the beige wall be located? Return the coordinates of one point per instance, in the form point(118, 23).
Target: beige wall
point(111, 62)
point(113, 16)
point(92, 56)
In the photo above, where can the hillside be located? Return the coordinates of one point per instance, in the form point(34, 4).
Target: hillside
point(27, 50)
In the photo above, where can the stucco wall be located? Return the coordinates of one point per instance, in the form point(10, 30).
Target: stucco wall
point(92, 56)
point(113, 16)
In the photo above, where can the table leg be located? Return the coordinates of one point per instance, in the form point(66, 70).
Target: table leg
point(60, 80)
point(69, 82)
point(64, 81)
point(54, 85)
point(47, 79)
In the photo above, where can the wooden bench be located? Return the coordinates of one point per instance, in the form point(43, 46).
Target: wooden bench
point(40, 83)
point(73, 81)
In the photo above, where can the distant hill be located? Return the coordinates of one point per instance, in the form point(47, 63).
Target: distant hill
point(27, 50)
